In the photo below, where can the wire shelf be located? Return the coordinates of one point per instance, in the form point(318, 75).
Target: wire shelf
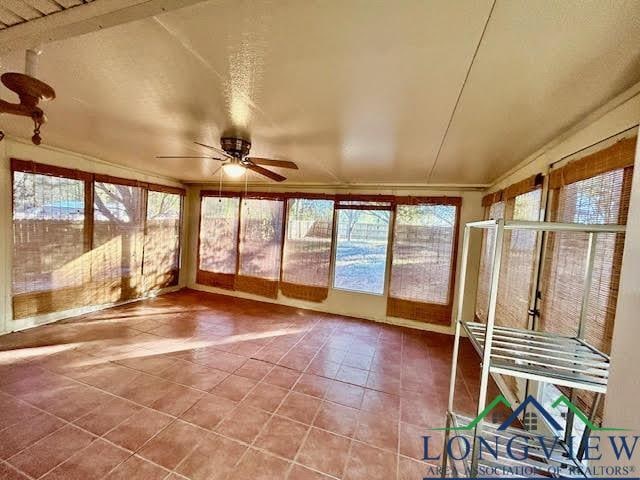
point(542, 356)
point(527, 459)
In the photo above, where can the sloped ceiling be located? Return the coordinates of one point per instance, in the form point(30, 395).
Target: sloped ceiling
point(353, 91)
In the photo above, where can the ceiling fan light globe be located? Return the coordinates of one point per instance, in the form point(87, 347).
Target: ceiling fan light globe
point(234, 170)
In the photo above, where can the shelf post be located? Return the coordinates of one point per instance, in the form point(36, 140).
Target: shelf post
point(456, 343)
point(584, 310)
point(488, 340)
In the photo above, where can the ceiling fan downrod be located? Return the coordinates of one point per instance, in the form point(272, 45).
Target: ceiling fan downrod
point(30, 91)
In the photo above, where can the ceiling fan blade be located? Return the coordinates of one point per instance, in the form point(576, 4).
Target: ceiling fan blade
point(179, 156)
point(273, 163)
point(267, 173)
point(221, 152)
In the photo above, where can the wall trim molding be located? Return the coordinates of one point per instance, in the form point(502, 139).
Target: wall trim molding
point(342, 187)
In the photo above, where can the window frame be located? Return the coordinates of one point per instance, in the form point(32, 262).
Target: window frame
point(342, 202)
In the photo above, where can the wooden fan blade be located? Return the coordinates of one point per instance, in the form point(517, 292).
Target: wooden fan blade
point(221, 152)
point(267, 173)
point(178, 156)
point(273, 163)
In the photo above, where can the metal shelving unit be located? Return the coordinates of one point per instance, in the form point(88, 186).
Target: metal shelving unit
point(527, 354)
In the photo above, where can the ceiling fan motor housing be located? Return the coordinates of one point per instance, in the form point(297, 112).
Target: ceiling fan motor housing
point(236, 147)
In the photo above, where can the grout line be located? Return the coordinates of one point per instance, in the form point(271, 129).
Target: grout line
point(305, 336)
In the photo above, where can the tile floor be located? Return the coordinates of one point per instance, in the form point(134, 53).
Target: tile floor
point(198, 386)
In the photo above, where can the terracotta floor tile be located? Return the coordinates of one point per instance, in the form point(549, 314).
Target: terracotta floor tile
point(337, 418)
point(256, 465)
point(8, 473)
point(228, 362)
point(234, 387)
point(296, 361)
point(213, 459)
point(177, 399)
point(378, 430)
point(172, 445)
point(312, 385)
point(368, 463)
point(282, 437)
point(49, 452)
point(384, 383)
point(102, 419)
point(266, 397)
point(357, 361)
point(325, 452)
point(95, 461)
point(345, 394)
point(300, 407)
point(228, 347)
point(254, 369)
point(13, 410)
point(412, 441)
point(20, 435)
point(194, 375)
point(69, 401)
point(138, 429)
point(409, 469)
point(301, 473)
point(154, 364)
point(209, 411)
point(139, 469)
point(145, 389)
point(353, 375)
point(323, 368)
point(243, 423)
point(375, 401)
point(282, 377)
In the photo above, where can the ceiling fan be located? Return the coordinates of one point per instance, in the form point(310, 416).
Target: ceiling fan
point(236, 162)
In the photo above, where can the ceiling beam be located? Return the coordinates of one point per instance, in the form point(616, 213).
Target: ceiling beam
point(82, 19)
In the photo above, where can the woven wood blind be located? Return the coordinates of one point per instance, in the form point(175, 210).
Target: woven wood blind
point(423, 260)
point(118, 241)
point(600, 199)
point(161, 265)
point(260, 246)
point(593, 189)
point(218, 241)
point(78, 238)
point(50, 268)
point(306, 256)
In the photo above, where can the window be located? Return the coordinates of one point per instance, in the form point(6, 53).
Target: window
point(79, 238)
point(261, 225)
point(218, 244)
point(118, 241)
point(361, 247)
point(423, 261)
point(49, 236)
point(161, 264)
point(307, 248)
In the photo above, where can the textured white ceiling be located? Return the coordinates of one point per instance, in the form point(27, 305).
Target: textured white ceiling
point(353, 91)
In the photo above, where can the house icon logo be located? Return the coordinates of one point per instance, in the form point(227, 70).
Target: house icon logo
point(530, 410)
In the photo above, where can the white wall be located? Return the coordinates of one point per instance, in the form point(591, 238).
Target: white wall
point(16, 148)
point(372, 307)
point(619, 115)
point(621, 408)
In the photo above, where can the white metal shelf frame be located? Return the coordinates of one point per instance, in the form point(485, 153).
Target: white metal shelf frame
point(565, 361)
